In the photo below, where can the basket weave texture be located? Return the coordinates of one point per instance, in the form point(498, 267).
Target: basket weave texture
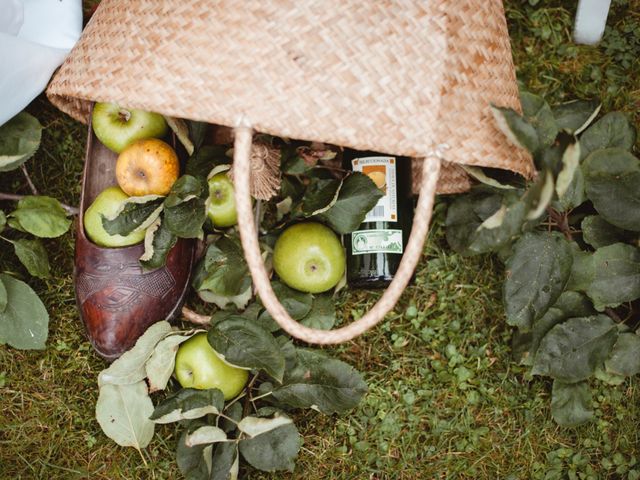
point(392, 76)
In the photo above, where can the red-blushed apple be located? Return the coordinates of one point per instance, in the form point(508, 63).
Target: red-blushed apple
point(309, 257)
point(118, 127)
point(199, 366)
point(107, 203)
point(147, 167)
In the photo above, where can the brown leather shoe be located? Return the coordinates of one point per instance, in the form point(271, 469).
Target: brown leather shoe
point(117, 299)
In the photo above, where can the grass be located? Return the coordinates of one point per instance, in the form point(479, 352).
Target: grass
point(445, 400)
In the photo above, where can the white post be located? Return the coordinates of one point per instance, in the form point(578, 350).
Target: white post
point(591, 19)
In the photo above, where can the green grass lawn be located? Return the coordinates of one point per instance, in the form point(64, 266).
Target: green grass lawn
point(445, 399)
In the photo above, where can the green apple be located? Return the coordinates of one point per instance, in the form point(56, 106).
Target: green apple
point(107, 204)
point(222, 202)
point(309, 257)
point(118, 127)
point(199, 366)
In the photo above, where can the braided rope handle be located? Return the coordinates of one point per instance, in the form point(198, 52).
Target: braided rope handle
point(249, 239)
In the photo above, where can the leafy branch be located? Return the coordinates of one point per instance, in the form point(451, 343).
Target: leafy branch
point(24, 321)
point(570, 245)
point(16, 197)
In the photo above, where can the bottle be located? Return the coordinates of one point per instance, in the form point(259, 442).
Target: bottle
point(374, 250)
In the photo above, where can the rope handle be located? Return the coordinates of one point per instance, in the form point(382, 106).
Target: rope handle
point(249, 239)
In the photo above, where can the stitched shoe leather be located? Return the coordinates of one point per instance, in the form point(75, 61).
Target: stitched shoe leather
point(117, 299)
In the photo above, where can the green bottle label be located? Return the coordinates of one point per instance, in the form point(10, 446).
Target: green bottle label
point(376, 241)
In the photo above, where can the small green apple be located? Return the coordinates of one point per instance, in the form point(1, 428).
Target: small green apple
point(118, 127)
point(222, 202)
point(107, 204)
point(199, 366)
point(309, 257)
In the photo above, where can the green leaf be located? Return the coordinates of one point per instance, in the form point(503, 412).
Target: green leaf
point(133, 214)
point(240, 301)
point(130, 366)
point(574, 195)
point(538, 113)
point(569, 305)
point(518, 130)
point(612, 130)
point(33, 256)
point(195, 463)
point(572, 350)
point(625, 356)
point(537, 198)
point(570, 163)
point(3, 221)
point(295, 165)
point(202, 162)
point(3, 296)
point(223, 270)
point(537, 273)
point(318, 381)
point(516, 215)
point(608, 377)
point(582, 270)
point(597, 232)
point(571, 403)
point(205, 435)
point(41, 216)
point(246, 344)
point(15, 224)
point(225, 461)
point(297, 304)
point(323, 313)
point(320, 195)
point(466, 214)
point(576, 116)
point(19, 140)
point(188, 404)
point(357, 196)
point(24, 323)
point(198, 133)
point(158, 242)
point(254, 426)
point(181, 130)
point(185, 188)
point(616, 276)
point(159, 367)
point(612, 177)
point(185, 219)
point(273, 450)
point(123, 414)
point(185, 211)
point(479, 174)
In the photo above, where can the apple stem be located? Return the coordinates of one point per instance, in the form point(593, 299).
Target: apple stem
point(194, 317)
point(125, 115)
point(11, 196)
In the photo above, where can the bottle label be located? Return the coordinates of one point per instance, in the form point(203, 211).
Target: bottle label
point(382, 170)
point(376, 241)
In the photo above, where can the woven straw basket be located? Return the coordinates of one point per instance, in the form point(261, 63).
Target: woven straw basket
point(403, 77)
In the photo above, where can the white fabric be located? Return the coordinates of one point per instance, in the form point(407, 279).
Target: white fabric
point(35, 38)
point(591, 19)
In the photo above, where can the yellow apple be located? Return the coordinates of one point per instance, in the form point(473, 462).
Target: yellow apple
point(147, 167)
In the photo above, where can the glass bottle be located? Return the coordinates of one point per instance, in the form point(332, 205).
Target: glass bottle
point(374, 250)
